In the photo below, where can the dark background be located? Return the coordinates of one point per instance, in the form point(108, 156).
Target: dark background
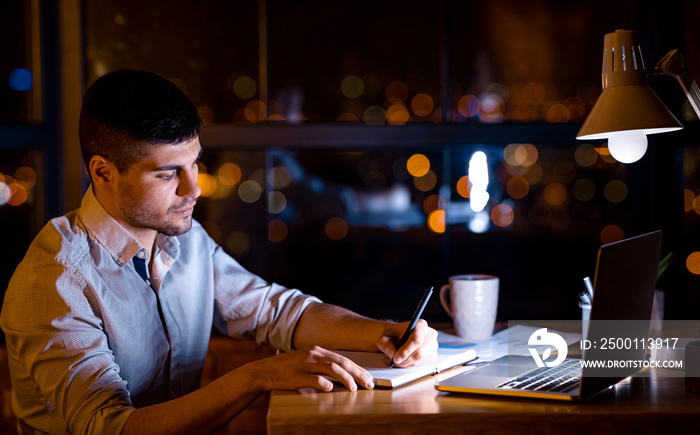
point(529, 57)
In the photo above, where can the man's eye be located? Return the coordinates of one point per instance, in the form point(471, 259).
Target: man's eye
point(167, 177)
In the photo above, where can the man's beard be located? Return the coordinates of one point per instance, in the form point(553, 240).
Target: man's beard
point(142, 216)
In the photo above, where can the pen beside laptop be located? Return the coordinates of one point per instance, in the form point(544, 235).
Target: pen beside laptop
point(414, 320)
point(587, 295)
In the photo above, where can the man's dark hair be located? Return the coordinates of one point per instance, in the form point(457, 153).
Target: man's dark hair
point(126, 112)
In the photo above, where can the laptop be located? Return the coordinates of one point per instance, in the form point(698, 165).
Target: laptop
point(624, 284)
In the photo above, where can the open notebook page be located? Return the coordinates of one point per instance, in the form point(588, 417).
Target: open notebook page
point(385, 377)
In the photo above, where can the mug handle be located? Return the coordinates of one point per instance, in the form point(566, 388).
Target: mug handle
point(444, 299)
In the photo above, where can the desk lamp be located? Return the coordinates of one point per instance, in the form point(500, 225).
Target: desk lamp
point(627, 109)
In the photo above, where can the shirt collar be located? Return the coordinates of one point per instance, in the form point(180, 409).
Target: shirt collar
point(169, 245)
point(104, 229)
point(119, 242)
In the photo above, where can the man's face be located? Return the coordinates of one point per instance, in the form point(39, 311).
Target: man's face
point(160, 191)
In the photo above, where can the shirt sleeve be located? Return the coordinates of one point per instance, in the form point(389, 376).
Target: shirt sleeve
point(58, 349)
point(252, 308)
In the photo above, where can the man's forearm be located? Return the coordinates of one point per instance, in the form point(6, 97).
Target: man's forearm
point(202, 411)
point(211, 407)
point(334, 327)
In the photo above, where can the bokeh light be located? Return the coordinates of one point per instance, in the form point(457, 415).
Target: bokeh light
point(5, 193)
point(276, 202)
point(245, 87)
point(556, 112)
point(222, 191)
point(555, 194)
point(18, 194)
point(696, 204)
point(509, 154)
point(426, 182)
point(688, 199)
point(229, 174)
point(611, 233)
point(397, 114)
point(534, 174)
point(604, 154)
point(348, 117)
point(463, 186)
point(517, 187)
point(26, 176)
point(207, 183)
point(480, 222)
point(469, 106)
point(276, 231)
point(20, 79)
point(418, 165)
point(478, 172)
point(692, 263)
point(491, 108)
point(396, 91)
point(436, 221)
point(585, 155)
point(374, 115)
point(422, 105)
point(281, 177)
point(615, 191)
point(255, 111)
point(502, 215)
point(249, 191)
point(336, 228)
point(352, 87)
point(275, 109)
point(520, 154)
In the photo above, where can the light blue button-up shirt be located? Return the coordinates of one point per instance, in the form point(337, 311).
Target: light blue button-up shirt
point(89, 339)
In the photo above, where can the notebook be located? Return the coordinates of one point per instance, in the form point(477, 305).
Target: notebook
point(385, 377)
point(624, 284)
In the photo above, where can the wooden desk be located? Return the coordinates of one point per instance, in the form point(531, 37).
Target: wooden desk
point(649, 403)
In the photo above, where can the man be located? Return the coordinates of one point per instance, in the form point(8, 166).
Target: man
point(108, 317)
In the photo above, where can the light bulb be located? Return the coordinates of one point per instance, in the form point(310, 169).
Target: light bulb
point(627, 146)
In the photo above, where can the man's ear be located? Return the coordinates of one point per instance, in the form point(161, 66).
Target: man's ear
point(102, 172)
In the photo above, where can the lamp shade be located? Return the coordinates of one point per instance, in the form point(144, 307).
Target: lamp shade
point(627, 102)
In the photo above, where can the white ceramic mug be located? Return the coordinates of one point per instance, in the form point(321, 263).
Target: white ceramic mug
point(472, 302)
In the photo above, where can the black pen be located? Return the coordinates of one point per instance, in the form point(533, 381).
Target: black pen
point(414, 320)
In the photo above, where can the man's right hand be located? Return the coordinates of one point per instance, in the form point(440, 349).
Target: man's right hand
point(309, 368)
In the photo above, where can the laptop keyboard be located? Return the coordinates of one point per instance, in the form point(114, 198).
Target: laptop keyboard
point(563, 378)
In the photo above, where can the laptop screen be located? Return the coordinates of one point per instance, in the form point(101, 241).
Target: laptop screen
point(624, 284)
